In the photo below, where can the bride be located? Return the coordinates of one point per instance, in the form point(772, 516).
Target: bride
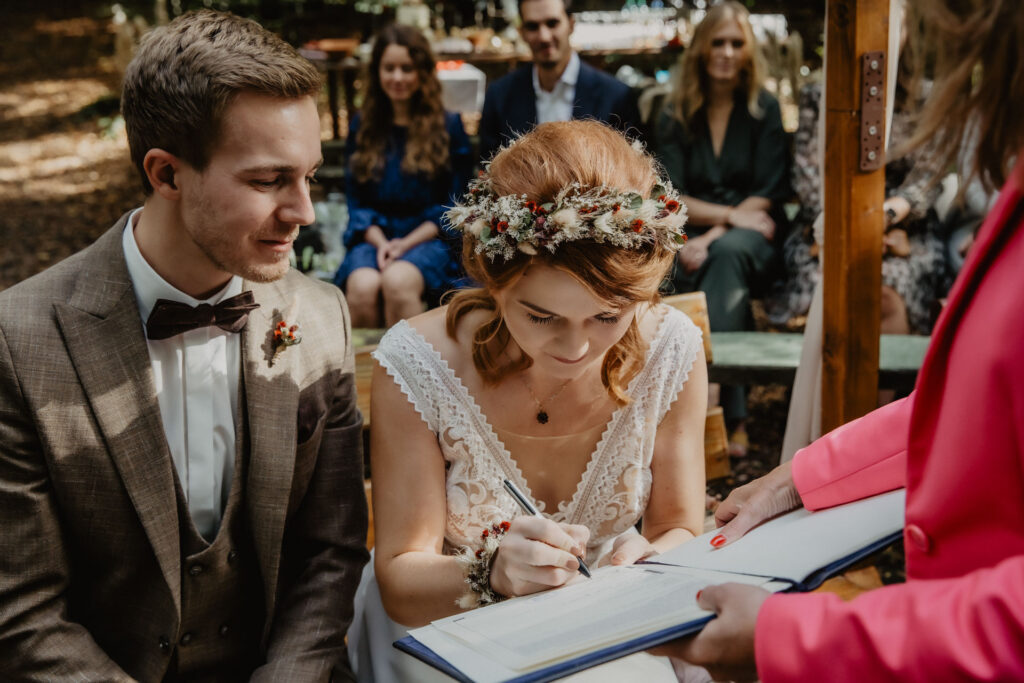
point(561, 373)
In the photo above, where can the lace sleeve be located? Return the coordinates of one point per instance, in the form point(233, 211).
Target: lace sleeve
point(404, 356)
point(676, 354)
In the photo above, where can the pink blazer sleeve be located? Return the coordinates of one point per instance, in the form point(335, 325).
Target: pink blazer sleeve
point(968, 628)
point(860, 459)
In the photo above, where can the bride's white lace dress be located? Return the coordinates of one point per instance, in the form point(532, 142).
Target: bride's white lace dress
point(609, 499)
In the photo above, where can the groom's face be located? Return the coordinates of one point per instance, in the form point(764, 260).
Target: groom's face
point(243, 211)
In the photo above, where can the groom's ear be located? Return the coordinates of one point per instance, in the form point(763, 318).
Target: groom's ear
point(161, 167)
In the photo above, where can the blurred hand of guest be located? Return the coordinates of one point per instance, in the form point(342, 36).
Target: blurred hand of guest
point(965, 245)
point(692, 256)
point(896, 210)
point(726, 645)
point(755, 219)
point(537, 554)
point(384, 257)
point(896, 243)
point(390, 252)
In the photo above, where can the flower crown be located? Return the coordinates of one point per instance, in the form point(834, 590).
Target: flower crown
point(507, 223)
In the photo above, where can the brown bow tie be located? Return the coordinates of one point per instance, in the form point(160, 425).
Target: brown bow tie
point(173, 317)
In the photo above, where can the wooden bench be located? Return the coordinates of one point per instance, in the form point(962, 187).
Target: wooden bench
point(716, 447)
point(772, 358)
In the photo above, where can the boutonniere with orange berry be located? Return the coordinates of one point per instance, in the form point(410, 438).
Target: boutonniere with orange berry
point(285, 335)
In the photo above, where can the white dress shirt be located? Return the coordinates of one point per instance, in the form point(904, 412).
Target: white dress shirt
point(196, 376)
point(557, 104)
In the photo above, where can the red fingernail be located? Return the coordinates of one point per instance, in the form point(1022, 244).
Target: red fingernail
point(698, 595)
point(718, 541)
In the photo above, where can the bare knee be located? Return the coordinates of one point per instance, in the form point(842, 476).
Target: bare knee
point(363, 284)
point(402, 281)
point(362, 292)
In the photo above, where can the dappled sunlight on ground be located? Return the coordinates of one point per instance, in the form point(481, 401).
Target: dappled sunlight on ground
point(55, 97)
point(58, 165)
point(65, 176)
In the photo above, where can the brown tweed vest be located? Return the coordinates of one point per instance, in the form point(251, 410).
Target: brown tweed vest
point(222, 607)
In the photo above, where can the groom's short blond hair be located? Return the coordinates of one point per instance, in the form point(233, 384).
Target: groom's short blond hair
point(186, 73)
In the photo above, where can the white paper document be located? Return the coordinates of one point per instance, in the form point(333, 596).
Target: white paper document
point(588, 621)
point(616, 604)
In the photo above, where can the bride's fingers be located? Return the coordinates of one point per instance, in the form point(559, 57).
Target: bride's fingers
point(530, 579)
point(568, 538)
point(530, 552)
point(580, 534)
point(525, 566)
point(631, 550)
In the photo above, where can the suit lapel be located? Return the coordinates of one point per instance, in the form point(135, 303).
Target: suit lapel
point(521, 115)
point(272, 399)
point(587, 93)
point(105, 340)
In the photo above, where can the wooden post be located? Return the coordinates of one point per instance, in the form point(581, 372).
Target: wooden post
point(854, 221)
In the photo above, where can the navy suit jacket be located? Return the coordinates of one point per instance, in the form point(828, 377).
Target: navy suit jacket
point(510, 106)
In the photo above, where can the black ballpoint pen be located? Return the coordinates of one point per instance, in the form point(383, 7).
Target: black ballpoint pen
point(529, 509)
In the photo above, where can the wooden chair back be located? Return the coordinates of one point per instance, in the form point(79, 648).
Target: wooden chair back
point(695, 306)
point(716, 439)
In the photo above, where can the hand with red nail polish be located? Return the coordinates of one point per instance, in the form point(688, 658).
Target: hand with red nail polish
point(756, 502)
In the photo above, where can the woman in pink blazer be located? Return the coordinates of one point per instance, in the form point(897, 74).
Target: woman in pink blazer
point(956, 443)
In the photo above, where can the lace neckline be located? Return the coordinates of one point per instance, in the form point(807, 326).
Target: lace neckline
point(571, 508)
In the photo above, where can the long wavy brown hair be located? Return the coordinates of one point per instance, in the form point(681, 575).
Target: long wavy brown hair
point(976, 49)
point(691, 89)
point(426, 148)
point(539, 165)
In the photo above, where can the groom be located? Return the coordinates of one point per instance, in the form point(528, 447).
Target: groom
point(181, 490)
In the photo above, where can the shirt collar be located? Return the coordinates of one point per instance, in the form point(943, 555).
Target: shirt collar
point(148, 284)
point(569, 76)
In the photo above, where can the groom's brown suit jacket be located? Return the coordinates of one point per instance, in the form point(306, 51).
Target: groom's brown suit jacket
point(91, 557)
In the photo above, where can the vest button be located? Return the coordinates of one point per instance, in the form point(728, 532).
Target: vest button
point(186, 638)
point(917, 536)
point(195, 570)
point(165, 644)
point(232, 556)
point(224, 630)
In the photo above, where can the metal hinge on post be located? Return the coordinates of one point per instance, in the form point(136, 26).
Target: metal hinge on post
point(872, 111)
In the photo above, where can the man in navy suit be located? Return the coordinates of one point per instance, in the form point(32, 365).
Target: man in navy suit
point(558, 86)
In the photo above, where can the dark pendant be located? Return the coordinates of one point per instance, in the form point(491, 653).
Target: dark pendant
point(542, 417)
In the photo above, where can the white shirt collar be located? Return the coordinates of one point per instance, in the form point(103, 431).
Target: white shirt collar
point(569, 76)
point(148, 284)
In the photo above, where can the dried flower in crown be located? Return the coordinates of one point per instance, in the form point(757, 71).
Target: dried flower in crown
point(503, 225)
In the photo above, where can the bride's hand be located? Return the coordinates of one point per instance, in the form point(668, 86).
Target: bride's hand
point(630, 548)
point(537, 554)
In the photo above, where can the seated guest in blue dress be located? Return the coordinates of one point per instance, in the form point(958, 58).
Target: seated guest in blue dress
point(558, 86)
point(407, 159)
point(722, 143)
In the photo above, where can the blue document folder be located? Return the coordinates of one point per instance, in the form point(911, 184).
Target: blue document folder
point(554, 634)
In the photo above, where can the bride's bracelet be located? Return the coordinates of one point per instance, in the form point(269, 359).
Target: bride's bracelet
point(477, 567)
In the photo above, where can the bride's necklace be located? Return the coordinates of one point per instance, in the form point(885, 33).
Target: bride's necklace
point(542, 415)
